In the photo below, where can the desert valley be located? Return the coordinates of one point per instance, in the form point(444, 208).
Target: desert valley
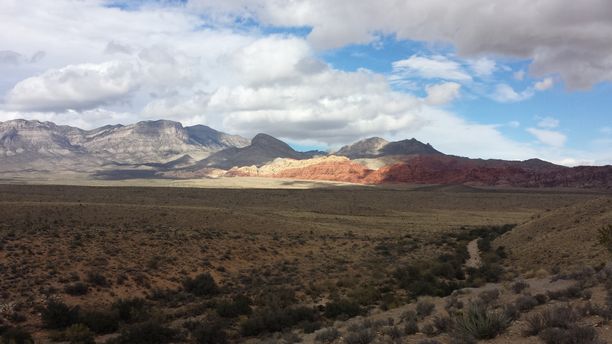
point(305, 171)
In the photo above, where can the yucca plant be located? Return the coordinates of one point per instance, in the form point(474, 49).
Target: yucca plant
point(479, 322)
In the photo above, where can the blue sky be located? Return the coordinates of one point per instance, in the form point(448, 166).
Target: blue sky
point(507, 83)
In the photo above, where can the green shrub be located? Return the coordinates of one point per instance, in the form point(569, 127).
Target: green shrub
point(97, 279)
point(479, 322)
point(76, 289)
point(79, 334)
point(131, 310)
point(100, 321)
point(424, 308)
point(148, 332)
point(327, 335)
point(605, 237)
point(240, 305)
point(275, 320)
point(363, 336)
point(411, 327)
point(15, 335)
point(201, 285)
point(210, 332)
point(572, 335)
point(340, 307)
point(58, 315)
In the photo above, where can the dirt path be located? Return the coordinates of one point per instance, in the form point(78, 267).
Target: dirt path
point(474, 260)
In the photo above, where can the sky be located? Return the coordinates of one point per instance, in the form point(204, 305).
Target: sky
point(478, 78)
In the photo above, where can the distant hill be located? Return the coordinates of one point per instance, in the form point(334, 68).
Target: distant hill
point(375, 147)
point(263, 148)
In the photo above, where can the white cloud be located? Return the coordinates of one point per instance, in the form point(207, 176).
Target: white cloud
point(571, 40)
point(443, 93)
point(483, 66)
point(548, 137)
point(434, 67)
point(504, 93)
point(544, 84)
point(548, 123)
point(75, 87)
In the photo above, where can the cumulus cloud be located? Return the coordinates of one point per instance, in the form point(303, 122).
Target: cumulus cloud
point(443, 93)
point(434, 67)
point(571, 40)
point(75, 87)
point(548, 137)
point(504, 93)
point(544, 84)
point(483, 66)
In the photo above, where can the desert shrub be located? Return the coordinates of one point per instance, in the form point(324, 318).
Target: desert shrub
point(411, 327)
point(511, 312)
point(429, 330)
point(15, 335)
point(428, 341)
point(58, 315)
point(209, 332)
point(541, 298)
point(442, 323)
point(327, 335)
point(76, 289)
point(79, 334)
point(393, 332)
point(363, 336)
point(519, 286)
point(605, 237)
point(563, 317)
point(479, 322)
point(453, 303)
point(240, 305)
point(201, 285)
point(100, 321)
point(339, 307)
point(148, 332)
point(275, 297)
point(418, 281)
point(526, 303)
point(488, 296)
point(484, 244)
point(571, 292)
point(310, 326)
point(365, 295)
point(572, 335)
point(424, 308)
point(97, 279)
point(275, 320)
point(131, 310)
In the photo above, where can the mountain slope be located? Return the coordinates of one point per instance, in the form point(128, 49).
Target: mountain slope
point(563, 237)
point(44, 145)
point(374, 147)
point(263, 148)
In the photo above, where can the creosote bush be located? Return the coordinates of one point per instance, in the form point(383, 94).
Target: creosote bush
point(201, 285)
point(605, 237)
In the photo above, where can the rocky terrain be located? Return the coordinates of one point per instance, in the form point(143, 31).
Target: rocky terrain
point(167, 150)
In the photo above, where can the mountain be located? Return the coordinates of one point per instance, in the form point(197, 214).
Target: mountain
point(263, 148)
point(367, 148)
point(375, 147)
point(408, 147)
point(166, 149)
point(38, 145)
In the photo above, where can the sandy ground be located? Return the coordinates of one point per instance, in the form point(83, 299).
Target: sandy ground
point(474, 260)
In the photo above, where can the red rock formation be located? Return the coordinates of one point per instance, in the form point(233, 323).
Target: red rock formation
point(443, 169)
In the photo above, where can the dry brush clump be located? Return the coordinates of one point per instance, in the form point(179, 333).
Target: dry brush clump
point(477, 322)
